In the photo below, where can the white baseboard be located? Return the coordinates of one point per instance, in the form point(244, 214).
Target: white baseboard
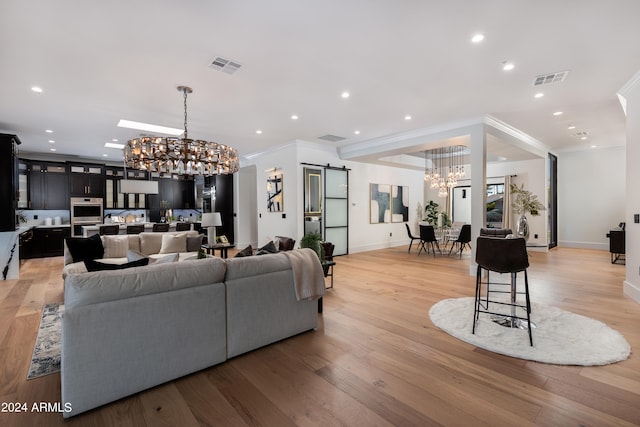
point(583, 245)
point(632, 291)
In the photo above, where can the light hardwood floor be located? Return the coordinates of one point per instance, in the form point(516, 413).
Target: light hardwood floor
point(376, 358)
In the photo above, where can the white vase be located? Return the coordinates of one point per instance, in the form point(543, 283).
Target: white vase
point(522, 228)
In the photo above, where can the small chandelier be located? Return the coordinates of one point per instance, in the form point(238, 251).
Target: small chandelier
point(445, 168)
point(182, 156)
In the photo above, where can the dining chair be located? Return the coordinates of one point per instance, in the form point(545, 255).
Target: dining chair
point(411, 236)
point(428, 237)
point(135, 229)
point(463, 239)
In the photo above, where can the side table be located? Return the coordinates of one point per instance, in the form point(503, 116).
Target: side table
point(222, 247)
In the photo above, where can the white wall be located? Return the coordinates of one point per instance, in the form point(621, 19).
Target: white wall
point(246, 199)
point(591, 196)
point(363, 236)
point(632, 280)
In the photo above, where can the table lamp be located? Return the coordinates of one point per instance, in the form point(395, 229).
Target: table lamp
point(211, 221)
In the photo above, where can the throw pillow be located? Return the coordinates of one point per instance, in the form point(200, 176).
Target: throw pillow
point(115, 246)
point(172, 243)
point(248, 251)
point(194, 242)
point(99, 266)
point(269, 248)
point(135, 256)
point(83, 248)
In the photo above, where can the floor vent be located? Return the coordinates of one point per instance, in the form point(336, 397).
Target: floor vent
point(546, 79)
point(224, 65)
point(331, 138)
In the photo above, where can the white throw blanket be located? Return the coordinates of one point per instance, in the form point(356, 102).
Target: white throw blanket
point(308, 276)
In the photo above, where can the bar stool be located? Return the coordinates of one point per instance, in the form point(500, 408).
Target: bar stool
point(106, 230)
point(502, 256)
point(135, 229)
point(161, 227)
point(183, 226)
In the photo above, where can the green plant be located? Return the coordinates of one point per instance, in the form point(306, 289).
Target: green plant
point(313, 240)
point(201, 253)
point(446, 222)
point(431, 210)
point(524, 201)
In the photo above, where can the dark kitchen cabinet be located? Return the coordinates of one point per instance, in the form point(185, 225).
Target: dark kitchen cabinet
point(48, 186)
point(177, 193)
point(9, 187)
point(86, 180)
point(49, 241)
point(114, 198)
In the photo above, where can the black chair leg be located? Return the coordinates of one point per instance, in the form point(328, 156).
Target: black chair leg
point(526, 293)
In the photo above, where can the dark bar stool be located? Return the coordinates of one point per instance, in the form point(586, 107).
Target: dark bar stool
point(183, 226)
point(109, 230)
point(135, 229)
point(502, 256)
point(160, 227)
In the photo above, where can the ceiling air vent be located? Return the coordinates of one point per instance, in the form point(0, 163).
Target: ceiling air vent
point(331, 138)
point(582, 134)
point(224, 65)
point(546, 79)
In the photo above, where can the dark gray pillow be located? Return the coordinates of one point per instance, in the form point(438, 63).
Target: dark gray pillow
point(248, 251)
point(194, 243)
point(85, 248)
point(269, 248)
point(98, 266)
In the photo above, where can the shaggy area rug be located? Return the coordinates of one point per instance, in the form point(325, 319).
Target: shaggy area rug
point(46, 352)
point(561, 337)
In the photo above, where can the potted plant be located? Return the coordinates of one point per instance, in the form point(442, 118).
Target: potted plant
point(524, 202)
point(431, 210)
point(312, 240)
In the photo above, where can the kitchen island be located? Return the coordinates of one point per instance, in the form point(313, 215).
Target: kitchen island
point(90, 230)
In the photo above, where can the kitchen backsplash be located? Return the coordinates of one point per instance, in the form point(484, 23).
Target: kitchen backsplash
point(36, 217)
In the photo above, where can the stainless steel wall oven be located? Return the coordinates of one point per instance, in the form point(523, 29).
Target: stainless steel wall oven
point(85, 211)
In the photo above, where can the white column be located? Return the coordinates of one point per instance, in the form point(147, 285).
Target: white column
point(478, 146)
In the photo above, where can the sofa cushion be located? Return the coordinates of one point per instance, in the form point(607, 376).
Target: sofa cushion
point(150, 243)
point(256, 265)
point(194, 243)
point(166, 259)
point(115, 246)
point(173, 243)
point(83, 248)
point(93, 265)
point(101, 286)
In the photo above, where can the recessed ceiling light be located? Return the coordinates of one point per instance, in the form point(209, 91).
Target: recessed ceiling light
point(51, 141)
point(507, 66)
point(477, 38)
point(571, 127)
point(345, 95)
point(583, 138)
point(52, 149)
point(502, 158)
point(149, 127)
point(558, 113)
point(357, 132)
point(114, 140)
point(258, 131)
point(407, 117)
point(112, 145)
point(105, 155)
point(294, 117)
point(48, 131)
point(538, 95)
point(36, 89)
point(593, 146)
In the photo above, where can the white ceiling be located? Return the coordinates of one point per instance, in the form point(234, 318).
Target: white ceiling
point(101, 62)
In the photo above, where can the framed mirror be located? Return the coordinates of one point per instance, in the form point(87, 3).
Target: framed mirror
point(313, 189)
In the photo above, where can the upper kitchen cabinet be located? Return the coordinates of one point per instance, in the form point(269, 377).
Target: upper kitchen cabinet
point(9, 187)
point(48, 186)
point(177, 193)
point(113, 198)
point(86, 180)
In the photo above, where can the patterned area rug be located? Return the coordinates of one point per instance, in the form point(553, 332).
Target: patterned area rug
point(561, 337)
point(46, 352)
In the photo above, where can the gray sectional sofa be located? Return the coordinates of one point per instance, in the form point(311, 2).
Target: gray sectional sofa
point(124, 331)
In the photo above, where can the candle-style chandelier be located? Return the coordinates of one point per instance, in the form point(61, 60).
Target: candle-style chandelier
point(443, 167)
point(181, 156)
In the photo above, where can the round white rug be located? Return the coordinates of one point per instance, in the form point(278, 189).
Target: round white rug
point(561, 337)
